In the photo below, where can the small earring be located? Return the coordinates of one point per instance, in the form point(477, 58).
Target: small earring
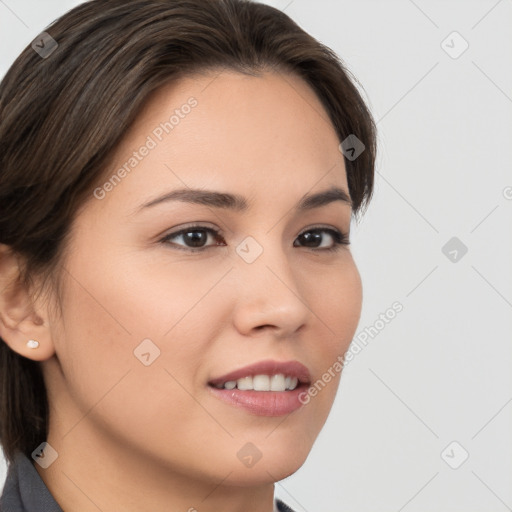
point(32, 343)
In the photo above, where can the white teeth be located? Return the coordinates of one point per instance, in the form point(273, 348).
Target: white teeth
point(261, 383)
point(293, 383)
point(244, 383)
point(276, 382)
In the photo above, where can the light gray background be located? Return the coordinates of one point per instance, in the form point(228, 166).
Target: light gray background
point(440, 371)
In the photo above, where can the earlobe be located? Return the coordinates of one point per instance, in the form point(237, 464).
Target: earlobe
point(24, 329)
point(36, 351)
point(27, 345)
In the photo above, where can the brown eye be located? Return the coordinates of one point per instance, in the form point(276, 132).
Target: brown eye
point(313, 238)
point(193, 237)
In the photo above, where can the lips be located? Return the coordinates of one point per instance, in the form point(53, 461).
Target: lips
point(267, 402)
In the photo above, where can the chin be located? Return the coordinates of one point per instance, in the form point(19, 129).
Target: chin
point(278, 460)
point(264, 473)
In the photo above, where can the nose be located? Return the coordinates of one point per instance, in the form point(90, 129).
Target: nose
point(269, 295)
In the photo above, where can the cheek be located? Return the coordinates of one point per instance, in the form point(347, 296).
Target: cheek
point(109, 385)
point(349, 300)
point(336, 301)
point(109, 311)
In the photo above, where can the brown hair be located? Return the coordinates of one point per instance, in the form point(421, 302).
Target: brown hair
point(61, 118)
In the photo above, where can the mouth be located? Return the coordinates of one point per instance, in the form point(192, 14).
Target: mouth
point(267, 388)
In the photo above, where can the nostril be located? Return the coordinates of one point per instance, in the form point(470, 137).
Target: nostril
point(260, 327)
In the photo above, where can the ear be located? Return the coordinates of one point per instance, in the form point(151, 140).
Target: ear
point(21, 319)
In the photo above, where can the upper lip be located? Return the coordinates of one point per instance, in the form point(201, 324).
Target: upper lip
point(268, 367)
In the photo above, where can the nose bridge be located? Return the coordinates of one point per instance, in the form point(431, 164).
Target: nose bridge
point(270, 293)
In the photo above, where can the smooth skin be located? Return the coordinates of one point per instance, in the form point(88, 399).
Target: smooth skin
point(153, 438)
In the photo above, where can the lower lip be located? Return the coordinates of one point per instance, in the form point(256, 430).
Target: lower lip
point(262, 403)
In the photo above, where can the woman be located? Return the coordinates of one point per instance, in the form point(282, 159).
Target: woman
point(177, 182)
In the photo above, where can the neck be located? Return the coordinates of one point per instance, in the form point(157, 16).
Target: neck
point(97, 474)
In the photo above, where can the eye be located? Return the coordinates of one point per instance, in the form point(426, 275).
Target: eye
point(314, 237)
point(196, 236)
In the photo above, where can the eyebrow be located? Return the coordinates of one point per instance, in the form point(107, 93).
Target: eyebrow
point(238, 203)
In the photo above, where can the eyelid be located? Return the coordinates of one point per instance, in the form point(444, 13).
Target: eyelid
point(326, 227)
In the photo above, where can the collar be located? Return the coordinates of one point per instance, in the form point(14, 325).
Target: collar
point(24, 490)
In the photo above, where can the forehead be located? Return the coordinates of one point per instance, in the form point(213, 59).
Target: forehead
point(231, 131)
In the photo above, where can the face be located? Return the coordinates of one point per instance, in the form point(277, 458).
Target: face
point(161, 301)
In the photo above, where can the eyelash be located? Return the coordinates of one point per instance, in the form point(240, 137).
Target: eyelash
point(340, 239)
